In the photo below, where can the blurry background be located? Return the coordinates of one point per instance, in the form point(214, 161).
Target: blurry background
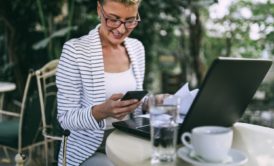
point(181, 37)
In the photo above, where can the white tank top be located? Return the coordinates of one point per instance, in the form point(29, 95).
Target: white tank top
point(119, 83)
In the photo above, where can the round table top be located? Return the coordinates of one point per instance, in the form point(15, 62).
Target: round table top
point(255, 141)
point(7, 86)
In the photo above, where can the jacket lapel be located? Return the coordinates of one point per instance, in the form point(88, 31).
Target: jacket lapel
point(97, 66)
point(133, 60)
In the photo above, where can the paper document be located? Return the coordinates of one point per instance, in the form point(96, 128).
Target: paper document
point(186, 96)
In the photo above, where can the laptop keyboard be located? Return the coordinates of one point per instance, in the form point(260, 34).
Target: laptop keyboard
point(145, 128)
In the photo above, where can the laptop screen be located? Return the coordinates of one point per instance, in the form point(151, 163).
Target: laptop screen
point(226, 91)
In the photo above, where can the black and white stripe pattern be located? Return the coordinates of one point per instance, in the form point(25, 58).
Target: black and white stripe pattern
point(81, 84)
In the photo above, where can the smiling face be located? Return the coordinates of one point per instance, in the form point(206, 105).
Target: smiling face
point(113, 13)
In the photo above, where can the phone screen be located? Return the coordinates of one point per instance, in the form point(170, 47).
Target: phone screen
point(134, 95)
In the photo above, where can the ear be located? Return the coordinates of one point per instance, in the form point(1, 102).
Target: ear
point(98, 9)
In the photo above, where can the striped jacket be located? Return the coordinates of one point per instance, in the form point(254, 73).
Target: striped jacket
point(81, 84)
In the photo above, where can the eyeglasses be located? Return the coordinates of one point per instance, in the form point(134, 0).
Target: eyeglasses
point(115, 23)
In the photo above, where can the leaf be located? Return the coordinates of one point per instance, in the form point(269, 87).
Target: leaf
point(41, 44)
point(63, 32)
point(60, 33)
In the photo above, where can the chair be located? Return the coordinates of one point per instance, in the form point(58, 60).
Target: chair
point(22, 131)
point(48, 105)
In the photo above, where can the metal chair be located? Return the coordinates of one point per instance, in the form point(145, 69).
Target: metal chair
point(47, 90)
point(34, 127)
point(22, 131)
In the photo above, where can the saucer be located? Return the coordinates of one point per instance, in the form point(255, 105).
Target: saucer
point(235, 158)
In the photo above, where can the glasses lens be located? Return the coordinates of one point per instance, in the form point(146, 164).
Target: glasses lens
point(131, 24)
point(113, 23)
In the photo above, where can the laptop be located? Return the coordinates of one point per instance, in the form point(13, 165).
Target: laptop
point(226, 91)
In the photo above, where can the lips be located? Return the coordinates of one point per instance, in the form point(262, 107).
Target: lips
point(117, 35)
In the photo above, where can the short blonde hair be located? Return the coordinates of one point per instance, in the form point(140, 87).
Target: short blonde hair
point(126, 2)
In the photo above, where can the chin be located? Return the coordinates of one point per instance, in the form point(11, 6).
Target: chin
point(117, 41)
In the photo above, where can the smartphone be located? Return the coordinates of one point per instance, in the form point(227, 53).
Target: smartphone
point(134, 95)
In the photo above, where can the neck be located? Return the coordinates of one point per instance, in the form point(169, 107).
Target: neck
point(106, 43)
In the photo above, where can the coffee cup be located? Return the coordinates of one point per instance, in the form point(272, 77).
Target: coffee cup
point(211, 143)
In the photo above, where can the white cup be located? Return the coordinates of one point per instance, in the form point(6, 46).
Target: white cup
point(212, 143)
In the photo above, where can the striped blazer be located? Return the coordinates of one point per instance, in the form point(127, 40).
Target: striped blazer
point(81, 84)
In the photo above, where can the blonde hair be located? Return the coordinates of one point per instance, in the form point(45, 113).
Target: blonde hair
point(126, 2)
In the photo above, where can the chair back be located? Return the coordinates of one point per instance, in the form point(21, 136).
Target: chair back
point(30, 127)
point(47, 91)
point(37, 122)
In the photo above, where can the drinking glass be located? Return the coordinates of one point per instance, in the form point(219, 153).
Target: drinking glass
point(164, 111)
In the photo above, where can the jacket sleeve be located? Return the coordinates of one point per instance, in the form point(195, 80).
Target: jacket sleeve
point(72, 114)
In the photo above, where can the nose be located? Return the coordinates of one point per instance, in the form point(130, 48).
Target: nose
point(122, 28)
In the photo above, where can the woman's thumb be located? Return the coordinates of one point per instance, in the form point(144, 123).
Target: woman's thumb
point(116, 96)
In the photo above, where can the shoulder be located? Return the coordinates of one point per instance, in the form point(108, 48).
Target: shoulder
point(90, 40)
point(134, 42)
point(135, 47)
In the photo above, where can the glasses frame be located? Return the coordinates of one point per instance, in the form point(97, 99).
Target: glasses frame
point(107, 19)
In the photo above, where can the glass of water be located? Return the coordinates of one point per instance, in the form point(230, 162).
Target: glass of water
point(164, 111)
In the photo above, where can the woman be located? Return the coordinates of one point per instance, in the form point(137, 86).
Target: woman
point(93, 74)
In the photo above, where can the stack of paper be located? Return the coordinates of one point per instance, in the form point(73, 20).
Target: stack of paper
point(186, 99)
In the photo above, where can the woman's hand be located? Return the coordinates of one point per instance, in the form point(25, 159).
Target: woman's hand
point(159, 98)
point(114, 107)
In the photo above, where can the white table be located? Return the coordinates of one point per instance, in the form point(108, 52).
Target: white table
point(5, 87)
point(256, 141)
